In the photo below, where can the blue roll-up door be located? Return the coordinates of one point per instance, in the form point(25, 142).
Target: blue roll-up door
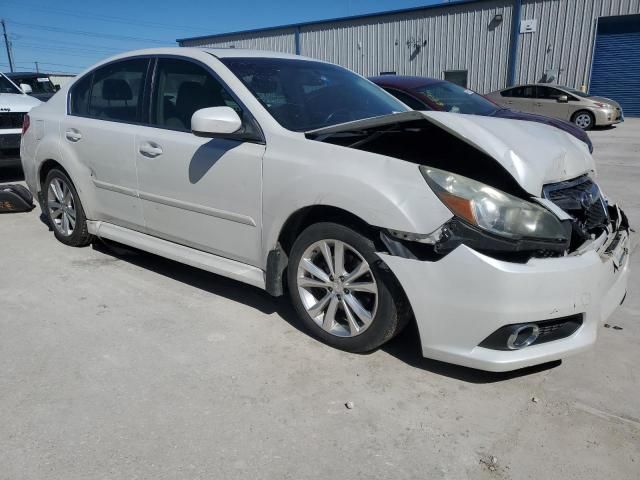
point(616, 62)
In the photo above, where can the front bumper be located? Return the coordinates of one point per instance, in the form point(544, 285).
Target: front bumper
point(461, 299)
point(607, 116)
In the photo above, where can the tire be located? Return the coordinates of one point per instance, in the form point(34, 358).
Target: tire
point(342, 323)
point(63, 210)
point(584, 119)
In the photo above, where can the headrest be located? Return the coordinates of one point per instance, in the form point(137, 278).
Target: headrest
point(191, 97)
point(116, 89)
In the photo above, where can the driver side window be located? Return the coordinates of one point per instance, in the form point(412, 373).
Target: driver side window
point(182, 88)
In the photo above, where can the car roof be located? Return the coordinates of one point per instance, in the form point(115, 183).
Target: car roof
point(25, 74)
point(554, 85)
point(404, 81)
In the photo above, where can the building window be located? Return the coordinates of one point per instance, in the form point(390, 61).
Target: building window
point(459, 77)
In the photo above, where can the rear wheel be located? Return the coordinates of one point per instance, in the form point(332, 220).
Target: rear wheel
point(64, 211)
point(584, 120)
point(341, 289)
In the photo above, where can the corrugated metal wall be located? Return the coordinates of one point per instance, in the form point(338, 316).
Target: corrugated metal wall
point(458, 37)
point(564, 38)
point(281, 40)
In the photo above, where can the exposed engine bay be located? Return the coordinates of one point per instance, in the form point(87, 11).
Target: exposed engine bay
point(587, 213)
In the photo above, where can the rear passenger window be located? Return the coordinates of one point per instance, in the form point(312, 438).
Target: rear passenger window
point(183, 87)
point(117, 90)
point(79, 97)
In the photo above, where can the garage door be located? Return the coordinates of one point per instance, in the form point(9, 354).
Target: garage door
point(616, 62)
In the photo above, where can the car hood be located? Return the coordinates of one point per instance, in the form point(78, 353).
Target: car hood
point(517, 146)
point(605, 100)
point(16, 102)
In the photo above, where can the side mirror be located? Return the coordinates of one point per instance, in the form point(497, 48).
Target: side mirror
point(26, 88)
point(563, 99)
point(215, 121)
point(56, 87)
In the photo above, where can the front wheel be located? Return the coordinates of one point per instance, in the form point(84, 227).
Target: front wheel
point(342, 290)
point(64, 211)
point(584, 120)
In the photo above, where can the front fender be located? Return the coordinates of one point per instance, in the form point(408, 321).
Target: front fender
point(382, 191)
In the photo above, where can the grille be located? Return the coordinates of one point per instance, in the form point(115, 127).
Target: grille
point(580, 198)
point(11, 120)
point(559, 328)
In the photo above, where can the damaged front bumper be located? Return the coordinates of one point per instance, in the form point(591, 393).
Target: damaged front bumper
point(462, 298)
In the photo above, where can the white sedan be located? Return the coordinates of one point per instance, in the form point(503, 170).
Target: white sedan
point(291, 174)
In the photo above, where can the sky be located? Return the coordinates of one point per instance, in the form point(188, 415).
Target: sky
point(72, 35)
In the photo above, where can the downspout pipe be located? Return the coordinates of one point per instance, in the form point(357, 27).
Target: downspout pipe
point(515, 42)
point(296, 36)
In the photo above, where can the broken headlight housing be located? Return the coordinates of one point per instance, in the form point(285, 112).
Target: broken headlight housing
point(493, 210)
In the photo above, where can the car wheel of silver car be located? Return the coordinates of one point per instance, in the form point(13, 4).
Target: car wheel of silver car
point(584, 120)
point(342, 290)
point(64, 211)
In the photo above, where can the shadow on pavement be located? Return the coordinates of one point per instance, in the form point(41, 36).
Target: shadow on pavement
point(405, 347)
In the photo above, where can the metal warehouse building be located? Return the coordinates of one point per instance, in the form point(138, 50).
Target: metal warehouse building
point(482, 44)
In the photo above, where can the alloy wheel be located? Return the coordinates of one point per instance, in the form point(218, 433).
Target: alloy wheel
point(61, 205)
point(337, 288)
point(583, 121)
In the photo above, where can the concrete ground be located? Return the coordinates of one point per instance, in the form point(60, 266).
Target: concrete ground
point(129, 366)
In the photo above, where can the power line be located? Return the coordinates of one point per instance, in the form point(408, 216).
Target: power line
point(71, 49)
point(54, 64)
point(89, 34)
point(48, 41)
point(108, 18)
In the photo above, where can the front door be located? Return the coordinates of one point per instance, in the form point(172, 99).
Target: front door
point(200, 192)
point(547, 102)
point(99, 132)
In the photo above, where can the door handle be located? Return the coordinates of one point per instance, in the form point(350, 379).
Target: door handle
point(150, 150)
point(73, 135)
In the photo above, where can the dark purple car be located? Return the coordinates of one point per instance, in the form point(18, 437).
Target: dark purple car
point(424, 93)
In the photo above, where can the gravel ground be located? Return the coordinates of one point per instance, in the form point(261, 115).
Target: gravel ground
point(125, 365)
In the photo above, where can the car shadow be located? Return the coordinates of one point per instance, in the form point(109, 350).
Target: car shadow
point(405, 347)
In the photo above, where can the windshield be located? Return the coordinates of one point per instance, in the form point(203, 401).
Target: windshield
point(37, 84)
point(305, 95)
point(449, 97)
point(6, 86)
point(575, 92)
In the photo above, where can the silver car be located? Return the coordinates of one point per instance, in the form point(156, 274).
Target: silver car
point(584, 110)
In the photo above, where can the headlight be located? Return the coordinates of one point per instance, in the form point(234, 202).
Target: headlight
point(491, 209)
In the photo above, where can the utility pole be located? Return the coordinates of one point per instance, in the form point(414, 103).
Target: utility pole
point(7, 44)
point(37, 69)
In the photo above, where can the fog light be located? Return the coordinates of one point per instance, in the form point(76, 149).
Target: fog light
point(523, 336)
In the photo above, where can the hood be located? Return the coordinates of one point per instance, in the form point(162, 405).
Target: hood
point(16, 102)
point(516, 146)
point(605, 100)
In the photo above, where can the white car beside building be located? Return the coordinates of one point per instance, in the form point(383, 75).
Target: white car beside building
point(14, 104)
point(291, 174)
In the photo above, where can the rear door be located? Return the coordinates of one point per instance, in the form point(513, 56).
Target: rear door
point(547, 102)
point(521, 98)
point(205, 193)
point(104, 108)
